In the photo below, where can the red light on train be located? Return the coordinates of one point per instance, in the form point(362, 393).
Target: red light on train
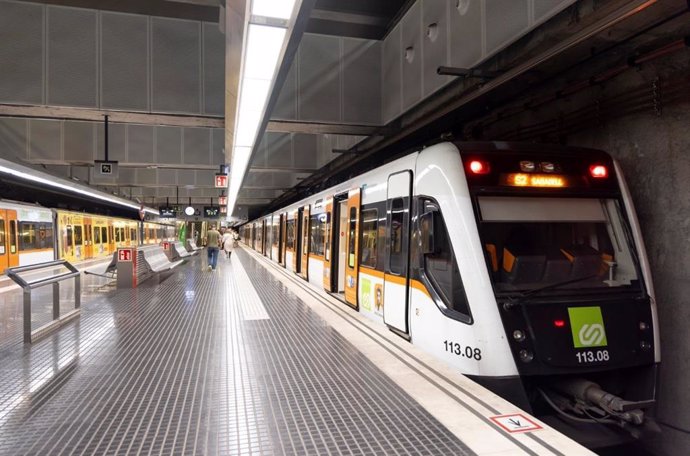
point(599, 171)
point(559, 323)
point(479, 167)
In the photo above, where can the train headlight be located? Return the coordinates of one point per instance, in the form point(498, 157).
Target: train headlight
point(518, 335)
point(644, 345)
point(526, 356)
point(644, 326)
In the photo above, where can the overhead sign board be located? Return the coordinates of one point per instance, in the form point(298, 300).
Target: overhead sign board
point(167, 212)
point(223, 209)
point(221, 180)
point(211, 211)
point(104, 172)
point(222, 200)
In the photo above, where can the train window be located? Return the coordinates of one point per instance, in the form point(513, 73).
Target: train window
point(70, 236)
point(104, 234)
point(327, 248)
point(290, 234)
point(305, 234)
point(97, 235)
point(122, 235)
point(318, 234)
point(78, 239)
point(370, 221)
point(440, 264)
point(87, 234)
point(351, 238)
point(2, 237)
point(275, 234)
point(132, 234)
point(27, 236)
point(45, 236)
point(396, 236)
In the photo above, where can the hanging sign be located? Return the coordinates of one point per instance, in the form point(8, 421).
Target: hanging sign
point(222, 200)
point(221, 180)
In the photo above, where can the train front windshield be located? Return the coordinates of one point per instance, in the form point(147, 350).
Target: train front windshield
point(560, 243)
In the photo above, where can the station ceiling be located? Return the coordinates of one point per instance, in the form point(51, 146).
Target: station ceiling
point(360, 87)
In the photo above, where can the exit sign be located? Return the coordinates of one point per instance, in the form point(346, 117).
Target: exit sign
point(124, 255)
point(221, 180)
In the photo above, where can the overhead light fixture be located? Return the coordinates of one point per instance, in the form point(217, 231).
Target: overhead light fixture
point(51, 181)
point(261, 54)
point(279, 9)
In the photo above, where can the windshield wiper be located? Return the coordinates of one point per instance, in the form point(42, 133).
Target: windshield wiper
point(520, 299)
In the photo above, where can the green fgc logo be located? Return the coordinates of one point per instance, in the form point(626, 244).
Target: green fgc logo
point(587, 326)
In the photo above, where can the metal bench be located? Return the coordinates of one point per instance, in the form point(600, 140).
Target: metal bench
point(155, 258)
point(110, 270)
point(181, 252)
point(192, 245)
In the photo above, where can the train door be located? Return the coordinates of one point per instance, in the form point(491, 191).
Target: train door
point(352, 241)
point(9, 251)
point(292, 240)
point(327, 282)
point(264, 238)
point(88, 238)
point(304, 270)
point(281, 242)
point(397, 256)
point(298, 241)
point(338, 270)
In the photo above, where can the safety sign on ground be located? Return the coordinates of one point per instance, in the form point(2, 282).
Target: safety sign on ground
point(515, 423)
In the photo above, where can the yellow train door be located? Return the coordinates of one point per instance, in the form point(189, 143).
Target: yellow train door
point(88, 238)
point(9, 247)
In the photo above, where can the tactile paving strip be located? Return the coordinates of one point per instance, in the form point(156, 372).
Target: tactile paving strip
point(173, 368)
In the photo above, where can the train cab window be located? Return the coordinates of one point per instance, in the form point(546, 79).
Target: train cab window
point(2, 237)
point(370, 221)
point(78, 238)
point(562, 243)
point(318, 234)
point(440, 264)
point(290, 234)
point(397, 259)
point(351, 238)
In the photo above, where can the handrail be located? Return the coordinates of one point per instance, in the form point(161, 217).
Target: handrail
point(27, 287)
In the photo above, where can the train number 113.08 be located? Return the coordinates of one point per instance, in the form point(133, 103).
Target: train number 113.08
point(464, 352)
point(590, 356)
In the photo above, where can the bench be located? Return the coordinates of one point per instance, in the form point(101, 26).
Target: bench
point(156, 260)
point(192, 247)
point(180, 251)
point(110, 270)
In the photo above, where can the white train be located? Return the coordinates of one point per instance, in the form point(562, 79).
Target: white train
point(522, 266)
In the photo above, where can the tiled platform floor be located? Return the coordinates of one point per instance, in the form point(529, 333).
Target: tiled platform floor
point(203, 363)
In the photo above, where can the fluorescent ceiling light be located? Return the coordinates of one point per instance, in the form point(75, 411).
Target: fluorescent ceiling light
point(281, 9)
point(52, 182)
point(263, 50)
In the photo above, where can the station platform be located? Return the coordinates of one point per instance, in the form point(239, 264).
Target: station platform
point(247, 359)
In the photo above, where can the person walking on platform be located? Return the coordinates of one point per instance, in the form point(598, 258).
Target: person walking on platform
point(227, 243)
point(212, 246)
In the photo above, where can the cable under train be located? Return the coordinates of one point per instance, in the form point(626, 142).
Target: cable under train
point(521, 265)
